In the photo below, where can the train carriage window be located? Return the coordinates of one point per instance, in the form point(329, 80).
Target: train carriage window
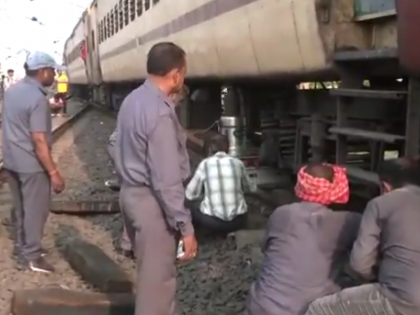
point(139, 7)
point(132, 10)
point(99, 27)
point(92, 34)
point(116, 19)
point(108, 21)
point(121, 14)
point(107, 27)
point(102, 31)
point(146, 5)
point(111, 23)
point(126, 15)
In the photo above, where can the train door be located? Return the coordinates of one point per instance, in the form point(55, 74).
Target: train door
point(93, 65)
point(86, 46)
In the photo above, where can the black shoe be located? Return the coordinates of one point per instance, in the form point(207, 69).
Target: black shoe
point(40, 265)
point(126, 253)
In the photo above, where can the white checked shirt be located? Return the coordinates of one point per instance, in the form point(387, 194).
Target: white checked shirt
point(224, 180)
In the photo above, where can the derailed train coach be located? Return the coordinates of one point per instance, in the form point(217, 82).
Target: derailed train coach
point(360, 57)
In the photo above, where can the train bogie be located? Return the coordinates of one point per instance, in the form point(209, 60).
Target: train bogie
point(263, 49)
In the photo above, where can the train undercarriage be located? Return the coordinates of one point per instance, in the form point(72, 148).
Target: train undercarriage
point(371, 114)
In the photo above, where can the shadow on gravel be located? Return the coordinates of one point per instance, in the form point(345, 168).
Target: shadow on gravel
point(92, 160)
point(86, 167)
point(66, 232)
point(7, 223)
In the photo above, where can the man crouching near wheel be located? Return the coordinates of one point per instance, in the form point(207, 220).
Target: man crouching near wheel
point(304, 243)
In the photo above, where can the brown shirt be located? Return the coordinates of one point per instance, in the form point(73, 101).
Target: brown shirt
point(389, 238)
point(150, 150)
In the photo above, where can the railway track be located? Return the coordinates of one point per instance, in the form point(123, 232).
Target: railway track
point(264, 197)
point(62, 138)
point(79, 151)
point(215, 282)
point(60, 125)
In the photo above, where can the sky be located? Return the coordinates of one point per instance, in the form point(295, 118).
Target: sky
point(18, 33)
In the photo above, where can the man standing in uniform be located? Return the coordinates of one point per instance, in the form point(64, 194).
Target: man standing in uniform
point(27, 141)
point(152, 160)
point(124, 248)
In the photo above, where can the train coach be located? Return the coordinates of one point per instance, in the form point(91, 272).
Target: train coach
point(247, 60)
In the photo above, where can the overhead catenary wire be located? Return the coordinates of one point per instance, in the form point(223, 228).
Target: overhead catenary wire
point(11, 13)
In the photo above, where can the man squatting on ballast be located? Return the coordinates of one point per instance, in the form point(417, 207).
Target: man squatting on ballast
point(306, 246)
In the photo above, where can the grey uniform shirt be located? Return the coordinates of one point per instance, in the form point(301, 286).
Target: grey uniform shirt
point(150, 150)
point(304, 243)
point(25, 110)
point(389, 238)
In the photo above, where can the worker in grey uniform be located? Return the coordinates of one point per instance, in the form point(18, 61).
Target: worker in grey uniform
point(124, 248)
point(152, 160)
point(26, 147)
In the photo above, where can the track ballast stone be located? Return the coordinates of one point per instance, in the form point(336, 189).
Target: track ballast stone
point(215, 282)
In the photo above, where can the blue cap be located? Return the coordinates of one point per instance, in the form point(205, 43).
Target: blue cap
point(39, 60)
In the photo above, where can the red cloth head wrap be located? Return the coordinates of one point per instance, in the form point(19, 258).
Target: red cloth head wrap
point(320, 190)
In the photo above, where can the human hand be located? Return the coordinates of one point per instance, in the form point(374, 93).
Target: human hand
point(190, 247)
point(57, 182)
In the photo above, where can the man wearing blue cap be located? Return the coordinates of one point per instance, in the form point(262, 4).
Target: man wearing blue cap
point(27, 141)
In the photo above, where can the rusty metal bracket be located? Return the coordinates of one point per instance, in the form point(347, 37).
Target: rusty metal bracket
point(323, 7)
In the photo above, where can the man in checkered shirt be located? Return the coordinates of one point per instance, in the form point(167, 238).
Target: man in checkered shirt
point(223, 181)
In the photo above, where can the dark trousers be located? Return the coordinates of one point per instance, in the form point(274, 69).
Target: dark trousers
point(214, 224)
point(31, 193)
point(155, 246)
